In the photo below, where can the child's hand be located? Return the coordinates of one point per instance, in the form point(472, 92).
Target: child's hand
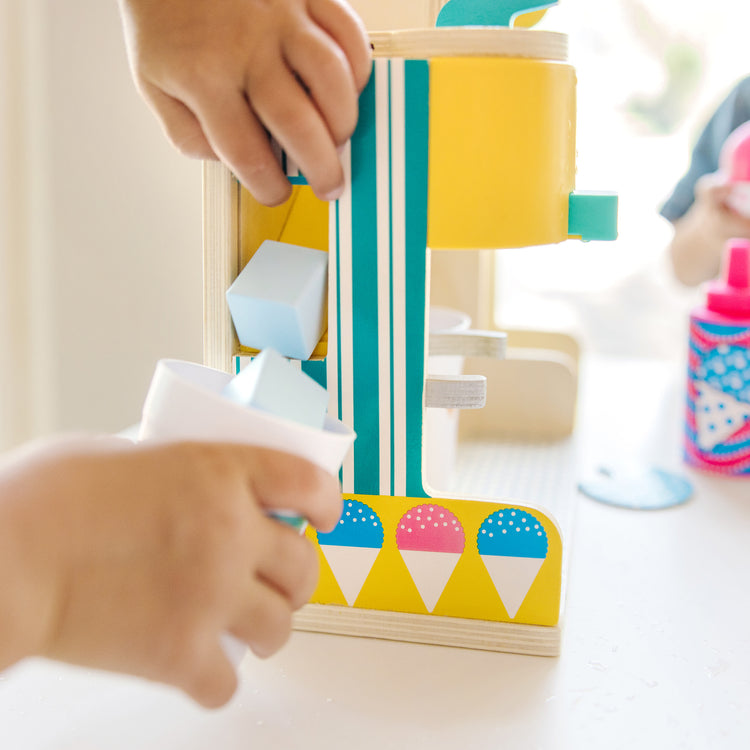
point(220, 73)
point(700, 235)
point(712, 192)
point(138, 558)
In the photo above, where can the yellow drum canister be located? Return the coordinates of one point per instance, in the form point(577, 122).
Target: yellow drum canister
point(502, 152)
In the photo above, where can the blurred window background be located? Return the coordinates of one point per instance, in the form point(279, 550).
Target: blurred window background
point(649, 77)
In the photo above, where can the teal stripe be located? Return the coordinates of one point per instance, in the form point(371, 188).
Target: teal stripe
point(390, 279)
point(417, 130)
point(365, 298)
point(316, 369)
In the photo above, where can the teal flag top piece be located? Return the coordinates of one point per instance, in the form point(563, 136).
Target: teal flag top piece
point(487, 12)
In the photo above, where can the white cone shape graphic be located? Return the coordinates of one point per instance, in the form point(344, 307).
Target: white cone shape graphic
point(718, 416)
point(430, 572)
point(512, 577)
point(350, 566)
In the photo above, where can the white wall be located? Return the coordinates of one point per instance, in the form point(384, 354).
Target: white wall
point(397, 14)
point(11, 417)
point(110, 222)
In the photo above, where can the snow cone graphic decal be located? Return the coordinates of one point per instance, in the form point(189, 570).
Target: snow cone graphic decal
point(431, 540)
point(513, 545)
point(717, 436)
point(721, 400)
point(351, 548)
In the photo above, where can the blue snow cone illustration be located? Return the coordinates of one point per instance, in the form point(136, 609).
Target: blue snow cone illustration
point(352, 547)
point(512, 533)
point(359, 526)
point(513, 546)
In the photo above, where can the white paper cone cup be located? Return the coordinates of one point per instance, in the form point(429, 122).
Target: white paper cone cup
point(234, 649)
point(184, 402)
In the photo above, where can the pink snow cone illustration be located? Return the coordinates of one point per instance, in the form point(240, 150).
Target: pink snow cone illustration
point(431, 540)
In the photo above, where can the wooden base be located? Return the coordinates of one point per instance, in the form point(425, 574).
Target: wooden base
point(533, 640)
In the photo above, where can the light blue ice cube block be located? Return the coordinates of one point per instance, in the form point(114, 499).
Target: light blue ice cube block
point(279, 299)
point(273, 384)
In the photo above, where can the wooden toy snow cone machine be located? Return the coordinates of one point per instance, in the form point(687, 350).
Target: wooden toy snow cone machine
point(465, 142)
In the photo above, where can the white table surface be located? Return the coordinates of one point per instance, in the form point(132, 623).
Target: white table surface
point(655, 652)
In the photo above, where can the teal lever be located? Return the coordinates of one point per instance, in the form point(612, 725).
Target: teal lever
point(592, 216)
point(487, 12)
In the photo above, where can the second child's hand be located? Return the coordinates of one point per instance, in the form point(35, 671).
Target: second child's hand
point(223, 74)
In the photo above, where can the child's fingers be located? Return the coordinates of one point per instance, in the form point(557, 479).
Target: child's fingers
point(281, 481)
point(287, 111)
point(714, 183)
point(264, 622)
point(348, 31)
point(180, 124)
point(322, 67)
point(240, 141)
point(289, 564)
point(213, 682)
point(734, 224)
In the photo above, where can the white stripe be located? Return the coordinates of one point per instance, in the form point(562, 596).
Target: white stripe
point(346, 332)
point(383, 274)
point(398, 197)
point(332, 355)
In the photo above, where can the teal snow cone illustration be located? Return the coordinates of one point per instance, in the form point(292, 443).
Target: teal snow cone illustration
point(513, 545)
point(351, 548)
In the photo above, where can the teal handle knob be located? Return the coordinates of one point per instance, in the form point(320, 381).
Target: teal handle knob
point(487, 12)
point(592, 215)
